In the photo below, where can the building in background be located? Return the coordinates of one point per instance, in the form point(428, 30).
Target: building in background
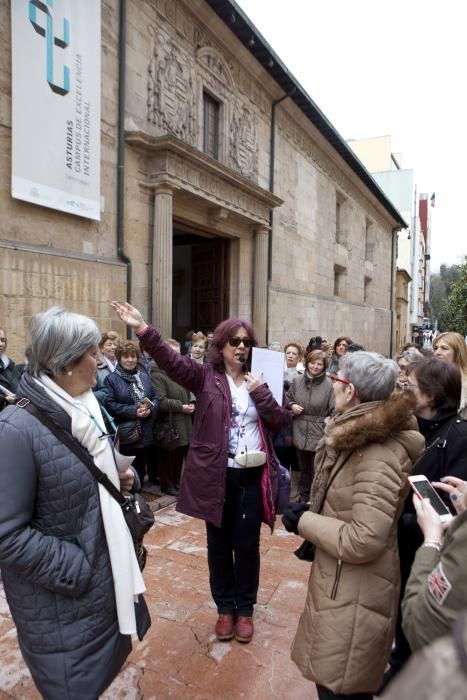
point(224, 190)
point(413, 249)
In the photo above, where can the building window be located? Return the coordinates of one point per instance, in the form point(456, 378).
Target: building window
point(369, 240)
point(341, 230)
point(340, 274)
point(211, 126)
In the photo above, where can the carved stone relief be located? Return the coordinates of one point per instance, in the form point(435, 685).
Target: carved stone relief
point(216, 64)
point(244, 142)
point(171, 91)
point(187, 26)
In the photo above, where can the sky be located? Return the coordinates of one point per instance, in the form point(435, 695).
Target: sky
point(377, 67)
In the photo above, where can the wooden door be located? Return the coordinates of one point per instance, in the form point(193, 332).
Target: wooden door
point(210, 284)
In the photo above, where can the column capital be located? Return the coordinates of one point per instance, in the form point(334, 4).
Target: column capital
point(259, 229)
point(164, 188)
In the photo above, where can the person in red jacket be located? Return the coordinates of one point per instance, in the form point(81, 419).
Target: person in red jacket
point(231, 474)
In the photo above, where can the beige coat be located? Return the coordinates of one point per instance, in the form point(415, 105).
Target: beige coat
point(345, 633)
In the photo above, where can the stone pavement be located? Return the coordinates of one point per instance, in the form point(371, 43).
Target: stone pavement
point(180, 656)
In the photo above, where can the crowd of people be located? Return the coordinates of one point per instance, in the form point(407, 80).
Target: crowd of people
point(387, 578)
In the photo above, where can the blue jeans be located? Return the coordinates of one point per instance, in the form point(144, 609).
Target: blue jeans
point(233, 548)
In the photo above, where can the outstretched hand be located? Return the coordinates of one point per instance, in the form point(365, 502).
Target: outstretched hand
point(129, 315)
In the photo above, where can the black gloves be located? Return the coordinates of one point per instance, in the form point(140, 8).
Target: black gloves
point(292, 515)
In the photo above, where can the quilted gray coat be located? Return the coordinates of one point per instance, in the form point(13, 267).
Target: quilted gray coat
point(54, 557)
point(316, 395)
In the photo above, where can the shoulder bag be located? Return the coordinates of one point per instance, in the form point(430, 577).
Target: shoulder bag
point(129, 432)
point(166, 435)
point(138, 515)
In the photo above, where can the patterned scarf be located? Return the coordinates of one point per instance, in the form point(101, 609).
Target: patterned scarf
point(327, 456)
point(133, 378)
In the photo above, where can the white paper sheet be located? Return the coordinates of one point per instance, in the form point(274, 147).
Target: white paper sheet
point(269, 364)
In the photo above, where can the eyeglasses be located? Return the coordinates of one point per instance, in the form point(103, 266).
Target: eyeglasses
point(235, 341)
point(334, 378)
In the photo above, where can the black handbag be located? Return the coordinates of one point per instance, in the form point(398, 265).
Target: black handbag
point(138, 515)
point(166, 435)
point(129, 432)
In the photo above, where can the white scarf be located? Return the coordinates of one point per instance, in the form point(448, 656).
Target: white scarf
point(111, 365)
point(127, 578)
point(5, 360)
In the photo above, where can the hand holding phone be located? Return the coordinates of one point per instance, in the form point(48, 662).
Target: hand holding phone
point(423, 489)
point(456, 489)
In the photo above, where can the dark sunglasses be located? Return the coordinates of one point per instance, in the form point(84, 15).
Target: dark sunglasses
point(235, 341)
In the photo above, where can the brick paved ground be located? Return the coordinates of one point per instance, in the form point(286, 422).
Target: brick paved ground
point(180, 656)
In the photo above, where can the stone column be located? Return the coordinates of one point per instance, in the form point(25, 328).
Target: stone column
point(162, 260)
point(260, 282)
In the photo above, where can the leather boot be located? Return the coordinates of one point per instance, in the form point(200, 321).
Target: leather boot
point(225, 627)
point(244, 629)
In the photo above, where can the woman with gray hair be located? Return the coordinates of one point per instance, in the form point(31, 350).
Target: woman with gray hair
point(69, 567)
point(404, 359)
point(345, 633)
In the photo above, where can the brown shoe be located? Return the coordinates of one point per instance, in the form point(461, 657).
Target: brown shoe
point(225, 627)
point(244, 629)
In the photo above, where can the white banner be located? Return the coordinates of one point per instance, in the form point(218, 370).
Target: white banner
point(56, 56)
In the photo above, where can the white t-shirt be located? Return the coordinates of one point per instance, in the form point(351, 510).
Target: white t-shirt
point(244, 431)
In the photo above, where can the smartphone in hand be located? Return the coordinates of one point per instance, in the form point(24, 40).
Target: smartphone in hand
point(423, 489)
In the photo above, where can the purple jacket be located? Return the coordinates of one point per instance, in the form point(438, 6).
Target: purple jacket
point(202, 489)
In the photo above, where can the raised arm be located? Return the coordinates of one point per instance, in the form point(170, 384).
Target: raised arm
point(180, 368)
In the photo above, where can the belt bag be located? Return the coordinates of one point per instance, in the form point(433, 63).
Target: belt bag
point(138, 515)
point(249, 458)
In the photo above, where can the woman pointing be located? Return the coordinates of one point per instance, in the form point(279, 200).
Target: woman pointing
point(230, 477)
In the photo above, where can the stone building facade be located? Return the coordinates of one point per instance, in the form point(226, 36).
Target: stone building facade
point(237, 202)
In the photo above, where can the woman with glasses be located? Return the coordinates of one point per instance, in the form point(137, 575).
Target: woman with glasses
point(68, 562)
point(346, 631)
point(437, 389)
point(311, 398)
point(230, 478)
point(404, 359)
point(451, 347)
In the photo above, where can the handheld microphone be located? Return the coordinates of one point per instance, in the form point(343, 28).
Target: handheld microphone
point(242, 358)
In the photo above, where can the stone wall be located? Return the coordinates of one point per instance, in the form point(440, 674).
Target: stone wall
point(48, 257)
point(175, 50)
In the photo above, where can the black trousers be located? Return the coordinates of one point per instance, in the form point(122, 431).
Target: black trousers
point(233, 548)
point(142, 457)
point(170, 466)
point(326, 694)
point(306, 463)
point(287, 457)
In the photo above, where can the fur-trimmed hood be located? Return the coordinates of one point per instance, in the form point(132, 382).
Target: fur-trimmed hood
point(372, 421)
